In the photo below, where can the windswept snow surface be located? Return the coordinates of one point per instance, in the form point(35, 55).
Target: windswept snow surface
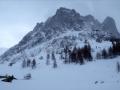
point(65, 77)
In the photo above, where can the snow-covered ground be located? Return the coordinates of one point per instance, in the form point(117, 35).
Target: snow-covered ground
point(64, 77)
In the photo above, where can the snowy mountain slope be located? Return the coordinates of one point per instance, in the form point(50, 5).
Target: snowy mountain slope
point(97, 75)
point(57, 32)
point(57, 44)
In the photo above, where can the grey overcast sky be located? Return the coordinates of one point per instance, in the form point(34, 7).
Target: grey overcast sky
point(18, 17)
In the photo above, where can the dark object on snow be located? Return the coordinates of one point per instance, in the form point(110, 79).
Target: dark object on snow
point(118, 67)
point(11, 64)
point(27, 76)
point(96, 82)
point(8, 78)
point(3, 77)
point(102, 82)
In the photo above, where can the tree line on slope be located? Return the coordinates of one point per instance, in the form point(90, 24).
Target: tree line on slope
point(53, 58)
point(29, 63)
point(111, 52)
point(78, 55)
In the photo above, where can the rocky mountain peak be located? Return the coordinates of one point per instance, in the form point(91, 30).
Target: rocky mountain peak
point(63, 24)
point(64, 18)
point(109, 25)
point(89, 17)
point(109, 19)
point(65, 11)
point(67, 14)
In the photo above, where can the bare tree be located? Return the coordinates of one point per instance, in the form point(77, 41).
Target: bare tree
point(33, 64)
point(24, 64)
point(98, 55)
point(54, 60)
point(28, 63)
point(118, 67)
point(24, 56)
point(48, 59)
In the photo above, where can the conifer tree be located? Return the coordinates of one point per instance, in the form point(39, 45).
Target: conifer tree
point(24, 64)
point(54, 60)
point(104, 54)
point(48, 59)
point(28, 63)
point(33, 64)
point(118, 67)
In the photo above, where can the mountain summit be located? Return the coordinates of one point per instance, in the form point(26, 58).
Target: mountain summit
point(110, 26)
point(66, 27)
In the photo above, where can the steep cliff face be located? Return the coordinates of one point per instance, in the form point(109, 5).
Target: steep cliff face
point(65, 27)
point(109, 26)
